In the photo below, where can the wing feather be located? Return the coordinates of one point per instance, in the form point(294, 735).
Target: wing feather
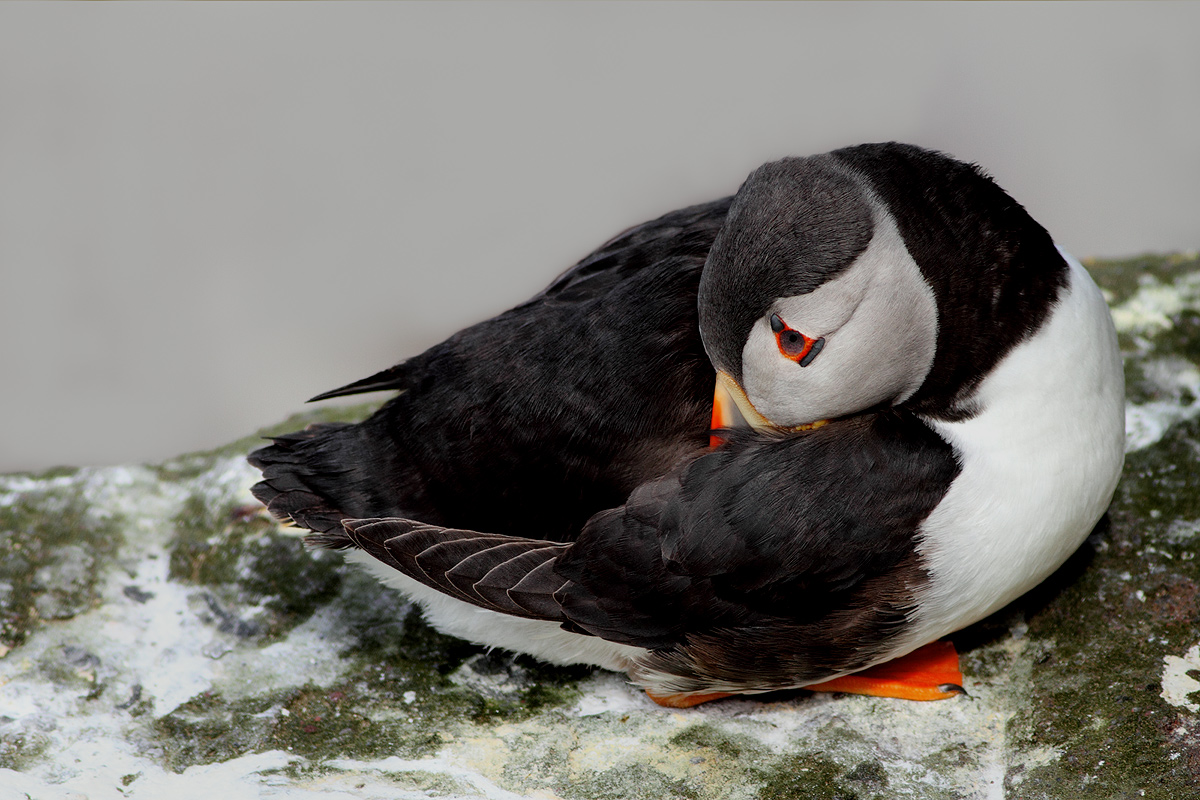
point(495, 586)
point(454, 561)
point(467, 572)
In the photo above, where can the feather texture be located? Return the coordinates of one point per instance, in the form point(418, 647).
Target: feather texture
point(511, 570)
point(534, 419)
point(771, 560)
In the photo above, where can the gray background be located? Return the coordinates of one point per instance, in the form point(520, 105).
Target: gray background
point(209, 213)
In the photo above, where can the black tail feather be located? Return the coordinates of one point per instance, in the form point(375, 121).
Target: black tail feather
point(328, 472)
point(390, 379)
point(286, 488)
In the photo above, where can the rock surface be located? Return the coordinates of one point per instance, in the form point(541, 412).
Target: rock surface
point(161, 637)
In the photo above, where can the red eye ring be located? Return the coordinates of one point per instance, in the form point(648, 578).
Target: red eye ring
point(794, 345)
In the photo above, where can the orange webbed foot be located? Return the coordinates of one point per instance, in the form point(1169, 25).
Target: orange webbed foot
point(928, 673)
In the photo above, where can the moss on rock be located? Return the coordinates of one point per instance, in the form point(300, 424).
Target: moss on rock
point(1122, 277)
point(52, 553)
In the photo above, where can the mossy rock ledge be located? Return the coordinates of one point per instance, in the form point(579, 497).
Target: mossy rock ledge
point(161, 637)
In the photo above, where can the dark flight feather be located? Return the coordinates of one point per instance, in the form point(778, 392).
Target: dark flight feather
point(455, 561)
point(495, 585)
point(471, 569)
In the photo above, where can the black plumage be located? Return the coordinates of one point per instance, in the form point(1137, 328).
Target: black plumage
point(996, 271)
point(532, 420)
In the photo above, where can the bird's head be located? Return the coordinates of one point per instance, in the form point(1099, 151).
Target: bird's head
point(810, 305)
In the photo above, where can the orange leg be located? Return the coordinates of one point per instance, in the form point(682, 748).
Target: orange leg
point(928, 673)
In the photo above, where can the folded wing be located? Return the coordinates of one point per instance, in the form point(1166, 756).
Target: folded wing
point(770, 562)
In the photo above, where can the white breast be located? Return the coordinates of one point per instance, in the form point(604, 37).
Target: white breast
point(1039, 466)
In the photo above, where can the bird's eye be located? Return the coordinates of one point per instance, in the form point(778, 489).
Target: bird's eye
point(793, 344)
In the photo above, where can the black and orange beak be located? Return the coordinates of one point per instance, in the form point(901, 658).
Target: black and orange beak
point(722, 415)
point(733, 409)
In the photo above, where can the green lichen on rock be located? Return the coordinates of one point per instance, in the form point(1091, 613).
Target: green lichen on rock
point(712, 743)
point(317, 722)
point(430, 784)
point(247, 561)
point(52, 553)
point(1122, 277)
point(621, 783)
point(807, 775)
point(208, 543)
point(407, 690)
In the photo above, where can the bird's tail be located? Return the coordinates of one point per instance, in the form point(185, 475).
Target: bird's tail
point(298, 471)
point(328, 472)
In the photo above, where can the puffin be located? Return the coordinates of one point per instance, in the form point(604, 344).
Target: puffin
point(790, 438)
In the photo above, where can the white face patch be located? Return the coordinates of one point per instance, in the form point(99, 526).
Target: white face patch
point(879, 322)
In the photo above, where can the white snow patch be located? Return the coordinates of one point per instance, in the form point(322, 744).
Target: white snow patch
point(1176, 683)
point(610, 693)
point(437, 766)
point(1147, 423)
point(1151, 307)
point(151, 651)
